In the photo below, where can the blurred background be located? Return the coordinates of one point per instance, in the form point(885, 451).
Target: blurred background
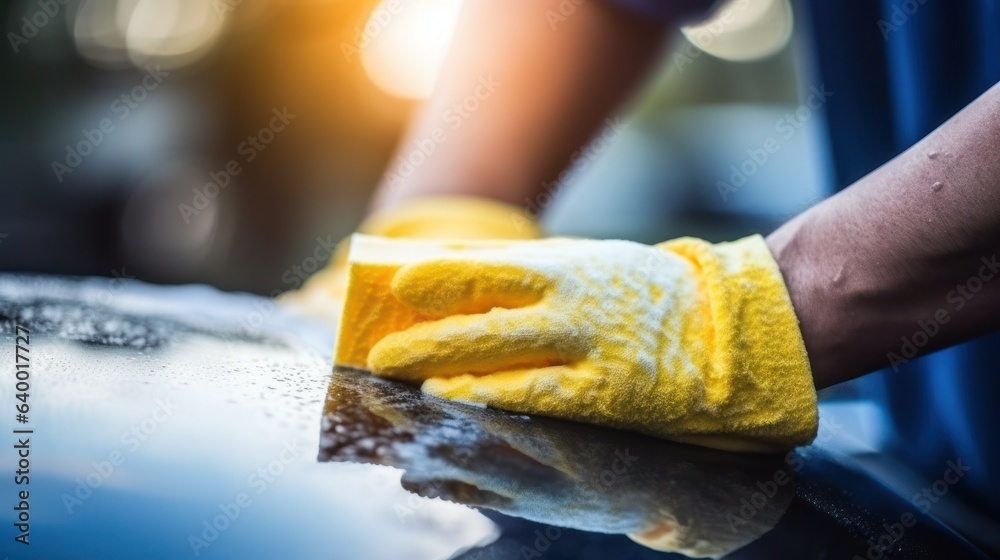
point(223, 141)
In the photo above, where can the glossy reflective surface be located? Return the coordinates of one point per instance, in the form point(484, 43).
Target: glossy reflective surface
point(669, 496)
point(214, 426)
point(187, 423)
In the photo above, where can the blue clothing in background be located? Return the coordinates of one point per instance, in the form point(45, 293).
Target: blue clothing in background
point(898, 69)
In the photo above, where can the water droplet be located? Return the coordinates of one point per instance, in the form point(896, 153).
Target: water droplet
point(838, 278)
point(937, 186)
point(932, 155)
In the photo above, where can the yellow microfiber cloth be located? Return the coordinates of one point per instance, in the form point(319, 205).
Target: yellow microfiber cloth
point(685, 340)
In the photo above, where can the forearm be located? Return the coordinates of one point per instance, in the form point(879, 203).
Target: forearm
point(553, 85)
point(910, 248)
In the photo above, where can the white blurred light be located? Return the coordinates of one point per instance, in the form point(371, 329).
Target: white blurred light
point(404, 44)
point(744, 30)
point(173, 33)
point(97, 33)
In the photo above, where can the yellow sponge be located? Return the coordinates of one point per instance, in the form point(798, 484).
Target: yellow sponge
point(370, 310)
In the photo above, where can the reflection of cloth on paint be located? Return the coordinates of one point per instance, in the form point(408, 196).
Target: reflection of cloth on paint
point(663, 495)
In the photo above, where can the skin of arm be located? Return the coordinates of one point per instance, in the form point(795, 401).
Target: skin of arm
point(910, 248)
point(553, 83)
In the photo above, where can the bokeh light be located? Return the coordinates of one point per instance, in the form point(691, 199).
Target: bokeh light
point(743, 30)
point(403, 44)
point(172, 33)
point(97, 32)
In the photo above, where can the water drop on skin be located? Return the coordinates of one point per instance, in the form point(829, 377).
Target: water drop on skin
point(838, 278)
point(932, 155)
point(937, 186)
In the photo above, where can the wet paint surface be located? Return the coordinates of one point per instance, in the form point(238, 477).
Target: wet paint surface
point(181, 422)
point(198, 441)
point(552, 472)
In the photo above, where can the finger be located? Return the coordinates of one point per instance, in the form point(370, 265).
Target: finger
point(442, 287)
point(499, 340)
point(549, 391)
